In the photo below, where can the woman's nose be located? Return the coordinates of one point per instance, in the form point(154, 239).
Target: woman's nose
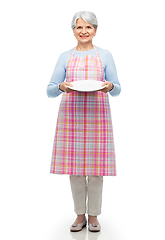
point(84, 30)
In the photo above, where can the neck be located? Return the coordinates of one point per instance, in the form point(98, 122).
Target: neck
point(84, 46)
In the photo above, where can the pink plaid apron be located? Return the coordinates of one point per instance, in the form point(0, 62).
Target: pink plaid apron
point(83, 143)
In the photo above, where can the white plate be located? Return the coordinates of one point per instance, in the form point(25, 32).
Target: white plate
point(87, 85)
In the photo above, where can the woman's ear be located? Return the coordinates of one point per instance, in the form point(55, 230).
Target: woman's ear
point(95, 31)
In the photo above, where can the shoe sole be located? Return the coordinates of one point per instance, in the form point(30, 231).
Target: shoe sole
point(94, 230)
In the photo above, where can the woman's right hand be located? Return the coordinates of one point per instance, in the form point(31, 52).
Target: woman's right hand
point(64, 87)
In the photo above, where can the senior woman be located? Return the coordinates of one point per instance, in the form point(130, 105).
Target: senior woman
point(83, 145)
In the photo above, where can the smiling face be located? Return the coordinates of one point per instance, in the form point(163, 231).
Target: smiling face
point(84, 32)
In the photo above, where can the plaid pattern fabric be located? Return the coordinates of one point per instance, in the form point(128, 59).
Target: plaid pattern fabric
point(83, 143)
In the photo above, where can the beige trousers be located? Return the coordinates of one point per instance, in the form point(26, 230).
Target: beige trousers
point(87, 188)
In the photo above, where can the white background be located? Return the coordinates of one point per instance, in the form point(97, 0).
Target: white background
point(38, 205)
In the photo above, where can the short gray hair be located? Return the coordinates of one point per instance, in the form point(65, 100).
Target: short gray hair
point(88, 17)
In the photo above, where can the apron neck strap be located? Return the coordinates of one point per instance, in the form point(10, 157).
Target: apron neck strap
point(96, 51)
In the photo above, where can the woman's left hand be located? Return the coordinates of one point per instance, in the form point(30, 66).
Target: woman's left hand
point(109, 87)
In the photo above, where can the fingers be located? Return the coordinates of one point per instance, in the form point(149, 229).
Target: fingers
point(69, 84)
point(68, 90)
point(105, 89)
point(109, 86)
point(64, 87)
point(103, 84)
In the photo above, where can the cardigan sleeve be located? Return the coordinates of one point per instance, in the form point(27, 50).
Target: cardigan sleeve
point(57, 78)
point(111, 75)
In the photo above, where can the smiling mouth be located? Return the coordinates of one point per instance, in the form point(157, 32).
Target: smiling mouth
point(83, 36)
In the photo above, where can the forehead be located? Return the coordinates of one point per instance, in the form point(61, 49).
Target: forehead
point(81, 22)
